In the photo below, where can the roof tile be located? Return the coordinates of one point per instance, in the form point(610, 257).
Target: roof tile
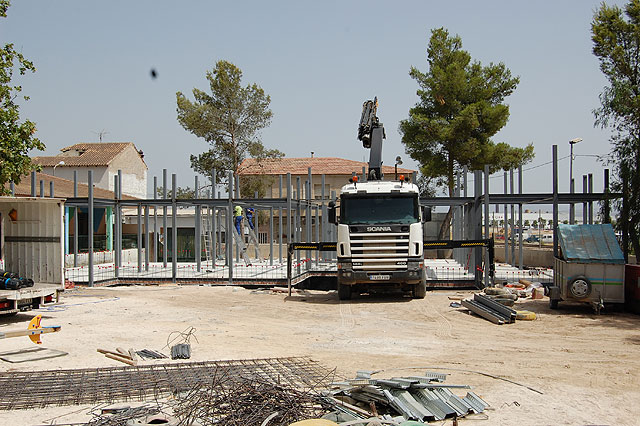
point(300, 166)
point(85, 154)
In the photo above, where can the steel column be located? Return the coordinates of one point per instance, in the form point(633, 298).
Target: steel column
point(174, 229)
point(90, 224)
point(486, 224)
point(229, 228)
point(146, 238)
point(555, 199)
point(197, 247)
point(75, 219)
point(590, 189)
point(165, 250)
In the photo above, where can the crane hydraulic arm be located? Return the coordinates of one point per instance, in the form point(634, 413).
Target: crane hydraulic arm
point(371, 133)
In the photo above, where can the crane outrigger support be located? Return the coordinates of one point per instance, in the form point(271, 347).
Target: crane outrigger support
point(371, 133)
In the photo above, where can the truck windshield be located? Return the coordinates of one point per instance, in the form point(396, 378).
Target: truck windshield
point(379, 209)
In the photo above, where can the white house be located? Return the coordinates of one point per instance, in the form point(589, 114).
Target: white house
point(104, 159)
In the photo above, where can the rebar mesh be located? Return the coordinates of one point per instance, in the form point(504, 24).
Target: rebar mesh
point(37, 389)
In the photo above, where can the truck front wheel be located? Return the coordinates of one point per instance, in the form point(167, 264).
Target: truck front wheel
point(344, 291)
point(420, 290)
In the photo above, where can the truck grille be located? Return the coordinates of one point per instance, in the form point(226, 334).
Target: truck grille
point(380, 250)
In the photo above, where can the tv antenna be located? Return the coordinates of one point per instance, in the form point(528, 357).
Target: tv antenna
point(101, 134)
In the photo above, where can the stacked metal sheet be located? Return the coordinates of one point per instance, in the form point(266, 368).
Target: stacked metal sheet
point(490, 309)
point(421, 398)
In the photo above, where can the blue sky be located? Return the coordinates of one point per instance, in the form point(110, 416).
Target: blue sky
point(317, 60)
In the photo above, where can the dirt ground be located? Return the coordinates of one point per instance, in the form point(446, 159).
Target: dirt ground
point(586, 366)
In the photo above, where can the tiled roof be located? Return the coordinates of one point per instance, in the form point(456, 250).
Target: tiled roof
point(299, 166)
point(62, 188)
point(85, 154)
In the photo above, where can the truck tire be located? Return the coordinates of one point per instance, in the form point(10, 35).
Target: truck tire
point(420, 290)
point(553, 303)
point(580, 287)
point(344, 291)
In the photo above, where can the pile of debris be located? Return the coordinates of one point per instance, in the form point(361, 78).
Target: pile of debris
point(490, 309)
point(399, 399)
point(247, 401)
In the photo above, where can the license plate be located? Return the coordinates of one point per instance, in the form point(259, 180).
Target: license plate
point(379, 277)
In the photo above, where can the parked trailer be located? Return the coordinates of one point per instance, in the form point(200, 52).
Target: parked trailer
point(590, 267)
point(32, 245)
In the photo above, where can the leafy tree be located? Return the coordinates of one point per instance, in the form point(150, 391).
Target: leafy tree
point(616, 43)
point(229, 118)
point(527, 223)
point(16, 137)
point(460, 108)
point(185, 193)
point(543, 223)
point(534, 224)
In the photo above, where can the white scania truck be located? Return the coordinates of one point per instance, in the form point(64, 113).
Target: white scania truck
point(380, 243)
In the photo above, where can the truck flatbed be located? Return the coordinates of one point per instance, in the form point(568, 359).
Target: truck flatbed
point(24, 299)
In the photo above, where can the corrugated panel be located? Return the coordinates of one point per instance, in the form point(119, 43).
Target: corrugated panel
point(33, 243)
point(589, 244)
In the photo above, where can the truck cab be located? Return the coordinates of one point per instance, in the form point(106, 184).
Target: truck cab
point(380, 243)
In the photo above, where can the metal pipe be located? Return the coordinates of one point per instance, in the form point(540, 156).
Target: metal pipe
point(607, 205)
point(585, 208)
point(41, 188)
point(280, 220)
point(146, 238)
point(119, 235)
point(75, 220)
point(51, 189)
point(197, 247)
point(512, 222)
point(324, 219)
point(486, 224)
point(298, 231)
point(33, 184)
point(139, 223)
point(520, 248)
point(12, 186)
point(90, 224)
point(215, 234)
point(317, 229)
point(165, 250)
point(288, 210)
point(271, 236)
point(554, 151)
point(506, 221)
point(174, 228)
point(155, 219)
point(229, 231)
point(590, 189)
point(116, 224)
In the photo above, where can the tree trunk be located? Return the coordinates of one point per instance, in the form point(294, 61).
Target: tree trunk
point(446, 223)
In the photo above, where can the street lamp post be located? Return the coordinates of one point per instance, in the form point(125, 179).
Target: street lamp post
point(572, 207)
point(60, 163)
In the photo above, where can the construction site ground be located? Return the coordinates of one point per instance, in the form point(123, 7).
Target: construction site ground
point(586, 366)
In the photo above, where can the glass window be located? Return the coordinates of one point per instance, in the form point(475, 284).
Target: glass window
point(382, 209)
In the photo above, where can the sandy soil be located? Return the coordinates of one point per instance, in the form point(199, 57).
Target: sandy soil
point(587, 366)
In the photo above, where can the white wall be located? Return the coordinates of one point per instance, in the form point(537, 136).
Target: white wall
point(33, 244)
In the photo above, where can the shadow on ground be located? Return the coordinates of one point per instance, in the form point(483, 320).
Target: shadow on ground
point(331, 298)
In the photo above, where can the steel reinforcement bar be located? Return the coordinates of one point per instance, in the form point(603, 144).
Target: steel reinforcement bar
point(37, 389)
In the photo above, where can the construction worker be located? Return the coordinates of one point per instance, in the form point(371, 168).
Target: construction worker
point(249, 212)
point(237, 215)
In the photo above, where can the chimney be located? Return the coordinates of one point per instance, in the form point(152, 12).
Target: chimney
point(311, 154)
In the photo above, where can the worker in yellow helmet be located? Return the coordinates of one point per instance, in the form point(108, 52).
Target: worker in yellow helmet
point(237, 216)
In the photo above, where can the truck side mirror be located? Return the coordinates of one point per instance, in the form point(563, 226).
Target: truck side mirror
point(332, 213)
point(426, 214)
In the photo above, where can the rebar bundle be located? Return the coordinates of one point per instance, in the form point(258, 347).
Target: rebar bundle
point(33, 389)
point(233, 401)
